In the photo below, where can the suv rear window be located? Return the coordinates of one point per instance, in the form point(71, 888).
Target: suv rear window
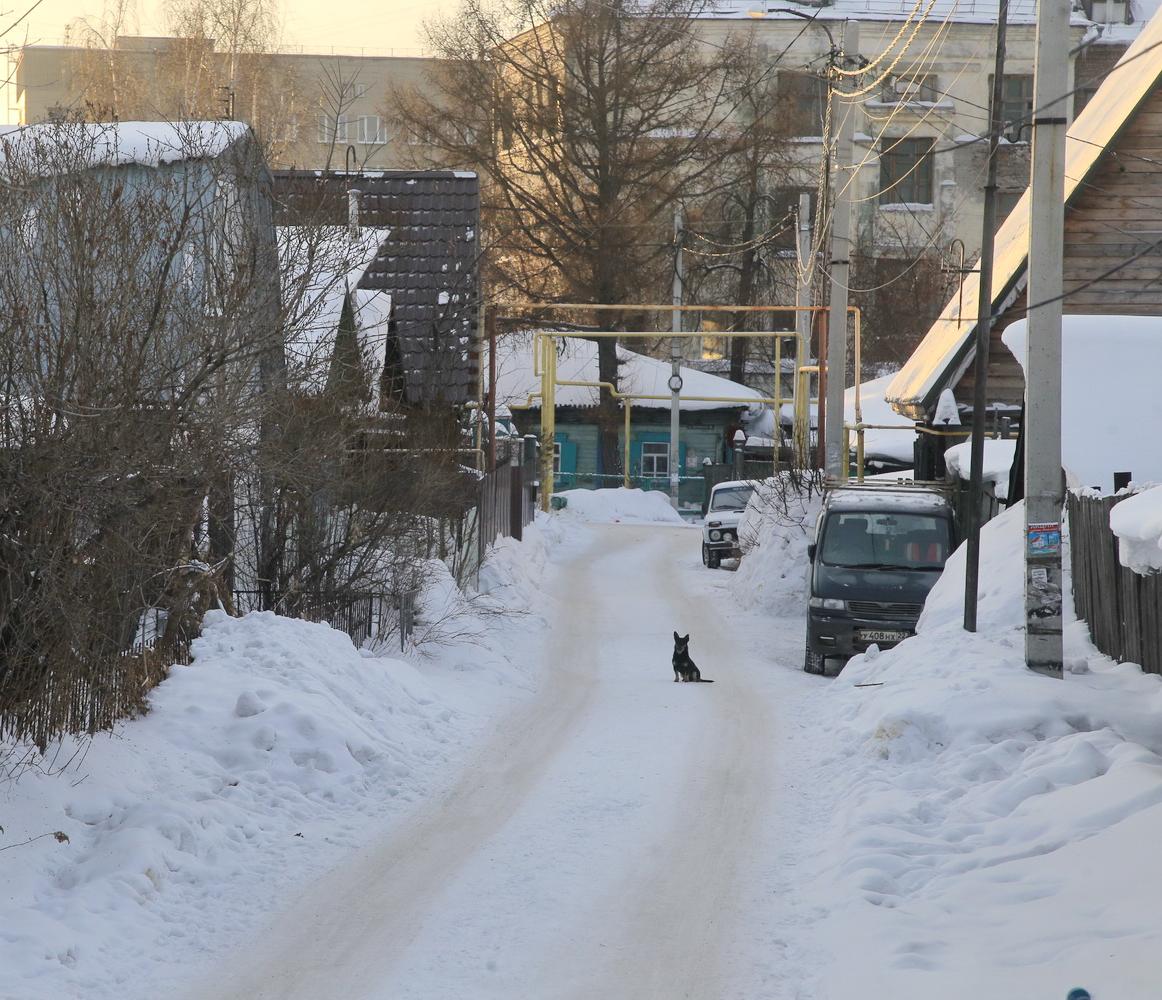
point(870, 539)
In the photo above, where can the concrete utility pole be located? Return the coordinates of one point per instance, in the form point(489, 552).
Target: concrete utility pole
point(984, 326)
point(802, 427)
point(841, 184)
point(675, 360)
point(1044, 492)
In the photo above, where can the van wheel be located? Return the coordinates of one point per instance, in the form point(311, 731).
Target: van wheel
point(814, 663)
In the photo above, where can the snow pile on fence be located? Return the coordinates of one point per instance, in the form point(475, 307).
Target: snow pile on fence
point(773, 534)
point(1000, 822)
point(998, 463)
point(1137, 522)
point(621, 504)
point(257, 767)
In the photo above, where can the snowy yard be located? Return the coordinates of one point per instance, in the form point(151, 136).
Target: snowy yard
point(537, 810)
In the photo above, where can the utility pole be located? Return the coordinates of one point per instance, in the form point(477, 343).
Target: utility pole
point(984, 324)
point(802, 425)
point(675, 360)
point(1044, 492)
point(841, 185)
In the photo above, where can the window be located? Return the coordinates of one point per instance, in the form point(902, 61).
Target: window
point(906, 171)
point(802, 98)
point(333, 129)
point(655, 459)
point(556, 458)
point(1006, 202)
point(1016, 105)
point(901, 541)
point(372, 130)
point(922, 87)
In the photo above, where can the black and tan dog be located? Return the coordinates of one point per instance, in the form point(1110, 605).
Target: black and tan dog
point(684, 668)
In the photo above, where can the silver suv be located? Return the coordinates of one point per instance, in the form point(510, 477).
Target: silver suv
point(720, 527)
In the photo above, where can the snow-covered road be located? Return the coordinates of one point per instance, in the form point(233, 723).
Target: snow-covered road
point(614, 839)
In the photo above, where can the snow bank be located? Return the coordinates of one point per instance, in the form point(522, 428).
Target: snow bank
point(773, 535)
point(998, 463)
point(278, 751)
point(621, 504)
point(1137, 522)
point(1109, 409)
point(993, 827)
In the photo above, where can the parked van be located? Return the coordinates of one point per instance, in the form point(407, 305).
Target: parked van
point(876, 553)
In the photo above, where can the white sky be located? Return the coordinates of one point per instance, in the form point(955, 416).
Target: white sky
point(350, 25)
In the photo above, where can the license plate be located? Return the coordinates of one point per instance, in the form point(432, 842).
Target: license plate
point(882, 635)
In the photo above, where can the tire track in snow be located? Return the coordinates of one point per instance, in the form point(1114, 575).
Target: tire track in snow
point(342, 936)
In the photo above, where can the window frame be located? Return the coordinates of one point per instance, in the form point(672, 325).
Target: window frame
point(654, 456)
point(907, 179)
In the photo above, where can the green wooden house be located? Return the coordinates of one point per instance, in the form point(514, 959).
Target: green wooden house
point(707, 426)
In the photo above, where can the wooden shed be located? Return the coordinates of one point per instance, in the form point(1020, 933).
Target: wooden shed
point(1112, 253)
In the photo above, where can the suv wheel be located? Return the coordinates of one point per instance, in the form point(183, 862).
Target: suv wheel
point(814, 663)
point(710, 559)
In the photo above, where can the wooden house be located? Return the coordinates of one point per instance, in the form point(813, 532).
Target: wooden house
point(1112, 250)
point(427, 262)
point(711, 410)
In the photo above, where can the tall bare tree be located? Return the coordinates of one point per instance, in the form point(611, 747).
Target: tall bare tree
point(589, 120)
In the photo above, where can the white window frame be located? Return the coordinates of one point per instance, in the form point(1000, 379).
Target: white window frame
point(372, 130)
point(556, 458)
point(655, 463)
point(333, 129)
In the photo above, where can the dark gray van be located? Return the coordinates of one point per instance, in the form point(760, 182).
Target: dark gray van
point(876, 554)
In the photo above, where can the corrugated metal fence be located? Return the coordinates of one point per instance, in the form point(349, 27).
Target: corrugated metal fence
point(1123, 608)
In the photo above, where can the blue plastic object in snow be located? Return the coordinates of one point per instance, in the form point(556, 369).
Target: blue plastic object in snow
point(1078, 994)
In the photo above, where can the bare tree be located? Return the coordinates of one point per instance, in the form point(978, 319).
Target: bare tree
point(589, 120)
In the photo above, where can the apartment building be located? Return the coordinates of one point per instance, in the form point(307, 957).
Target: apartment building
point(313, 110)
point(922, 105)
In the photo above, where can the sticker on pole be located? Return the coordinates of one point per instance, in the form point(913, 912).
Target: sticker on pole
point(1043, 539)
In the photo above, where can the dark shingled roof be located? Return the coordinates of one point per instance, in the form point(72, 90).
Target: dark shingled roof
point(429, 264)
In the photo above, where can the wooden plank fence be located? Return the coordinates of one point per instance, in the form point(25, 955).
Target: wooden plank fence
point(1122, 608)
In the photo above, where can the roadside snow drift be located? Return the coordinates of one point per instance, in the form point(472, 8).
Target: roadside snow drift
point(271, 756)
point(629, 505)
point(995, 829)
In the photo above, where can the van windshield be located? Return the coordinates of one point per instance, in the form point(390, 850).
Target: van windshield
point(880, 540)
point(731, 498)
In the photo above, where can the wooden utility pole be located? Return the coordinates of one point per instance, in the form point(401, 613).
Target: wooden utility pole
point(1044, 492)
point(984, 325)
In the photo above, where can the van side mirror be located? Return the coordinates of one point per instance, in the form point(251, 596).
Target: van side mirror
point(811, 551)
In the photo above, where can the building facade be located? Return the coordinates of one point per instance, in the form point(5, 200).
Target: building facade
point(311, 111)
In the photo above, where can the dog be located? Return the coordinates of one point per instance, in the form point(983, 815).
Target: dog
point(684, 668)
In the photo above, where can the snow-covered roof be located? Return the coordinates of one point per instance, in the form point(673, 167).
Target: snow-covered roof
point(897, 445)
point(948, 344)
point(1110, 408)
point(108, 144)
point(320, 266)
point(998, 462)
point(639, 374)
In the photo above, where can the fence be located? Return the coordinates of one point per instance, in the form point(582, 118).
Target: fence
point(1123, 608)
point(89, 694)
point(506, 499)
